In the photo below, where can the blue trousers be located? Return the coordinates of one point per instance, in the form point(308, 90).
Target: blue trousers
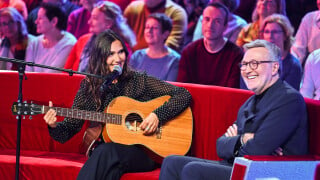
point(109, 161)
point(191, 168)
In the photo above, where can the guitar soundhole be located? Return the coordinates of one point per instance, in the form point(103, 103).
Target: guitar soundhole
point(133, 121)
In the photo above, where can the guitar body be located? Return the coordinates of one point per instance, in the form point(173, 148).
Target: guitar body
point(123, 117)
point(173, 137)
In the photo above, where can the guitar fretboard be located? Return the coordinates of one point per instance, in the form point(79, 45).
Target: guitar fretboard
point(86, 115)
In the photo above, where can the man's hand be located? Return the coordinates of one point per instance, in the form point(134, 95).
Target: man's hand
point(150, 124)
point(278, 152)
point(246, 137)
point(232, 131)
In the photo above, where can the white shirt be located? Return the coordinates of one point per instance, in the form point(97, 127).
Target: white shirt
point(311, 82)
point(55, 56)
point(307, 37)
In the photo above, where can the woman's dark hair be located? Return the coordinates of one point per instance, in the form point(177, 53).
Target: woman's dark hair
point(98, 61)
point(164, 20)
point(54, 10)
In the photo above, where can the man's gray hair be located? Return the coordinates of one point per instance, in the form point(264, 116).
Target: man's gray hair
point(274, 51)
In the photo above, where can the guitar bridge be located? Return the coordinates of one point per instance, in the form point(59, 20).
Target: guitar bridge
point(159, 132)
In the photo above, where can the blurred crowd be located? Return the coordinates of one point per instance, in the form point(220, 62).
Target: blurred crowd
point(191, 41)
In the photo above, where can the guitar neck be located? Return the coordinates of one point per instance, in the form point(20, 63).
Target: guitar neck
point(85, 115)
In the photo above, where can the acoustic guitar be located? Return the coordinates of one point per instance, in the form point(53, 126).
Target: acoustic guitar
point(122, 118)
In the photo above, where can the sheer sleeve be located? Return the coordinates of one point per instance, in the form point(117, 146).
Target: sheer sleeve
point(179, 101)
point(66, 129)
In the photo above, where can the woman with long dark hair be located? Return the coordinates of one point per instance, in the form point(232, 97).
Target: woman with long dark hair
point(111, 160)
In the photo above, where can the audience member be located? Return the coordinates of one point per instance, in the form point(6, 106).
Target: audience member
point(14, 37)
point(277, 29)
point(235, 23)
point(212, 60)
point(263, 9)
point(54, 44)
point(111, 160)
point(19, 5)
point(194, 10)
point(138, 11)
point(157, 60)
point(271, 122)
point(308, 35)
point(105, 15)
point(311, 82)
point(66, 5)
point(78, 19)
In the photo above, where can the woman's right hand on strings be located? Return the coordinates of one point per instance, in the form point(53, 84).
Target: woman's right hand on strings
point(50, 116)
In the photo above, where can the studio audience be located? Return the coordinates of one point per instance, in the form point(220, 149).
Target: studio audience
point(158, 60)
point(212, 60)
point(263, 9)
point(54, 44)
point(138, 11)
point(14, 37)
point(311, 82)
point(308, 35)
point(235, 23)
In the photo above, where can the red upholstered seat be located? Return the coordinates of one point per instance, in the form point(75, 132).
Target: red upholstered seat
point(214, 109)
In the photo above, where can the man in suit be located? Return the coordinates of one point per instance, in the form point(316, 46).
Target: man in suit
point(271, 122)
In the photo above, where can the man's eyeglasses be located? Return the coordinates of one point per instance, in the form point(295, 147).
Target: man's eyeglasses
point(276, 32)
point(253, 64)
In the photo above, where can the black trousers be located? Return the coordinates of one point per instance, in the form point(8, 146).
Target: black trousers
point(192, 168)
point(109, 161)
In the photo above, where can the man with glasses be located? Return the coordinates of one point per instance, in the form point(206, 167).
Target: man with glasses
point(271, 122)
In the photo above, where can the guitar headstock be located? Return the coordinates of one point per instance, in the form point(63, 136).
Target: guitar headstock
point(25, 108)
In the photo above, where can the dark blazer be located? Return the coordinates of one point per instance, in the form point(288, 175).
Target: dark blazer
point(279, 119)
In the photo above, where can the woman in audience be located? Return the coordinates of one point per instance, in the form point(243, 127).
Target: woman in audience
point(263, 9)
point(277, 29)
point(311, 82)
point(78, 19)
point(235, 23)
point(105, 15)
point(157, 60)
point(14, 37)
point(308, 35)
point(54, 44)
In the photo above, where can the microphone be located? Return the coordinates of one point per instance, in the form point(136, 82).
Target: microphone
point(117, 71)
